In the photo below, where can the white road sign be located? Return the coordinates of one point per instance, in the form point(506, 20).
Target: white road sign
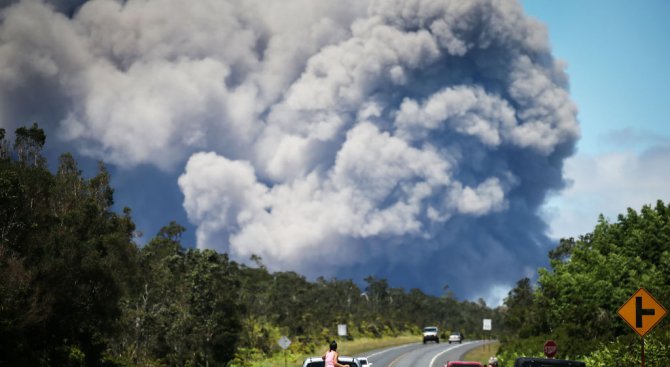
point(342, 330)
point(284, 342)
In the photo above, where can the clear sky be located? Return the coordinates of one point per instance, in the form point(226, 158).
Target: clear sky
point(618, 57)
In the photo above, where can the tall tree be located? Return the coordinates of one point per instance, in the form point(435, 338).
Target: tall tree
point(4, 146)
point(68, 259)
point(28, 145)
point(520, 304)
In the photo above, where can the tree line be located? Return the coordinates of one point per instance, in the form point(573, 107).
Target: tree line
point(78, 291)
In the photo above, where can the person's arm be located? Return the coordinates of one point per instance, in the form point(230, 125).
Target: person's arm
point(336, 361)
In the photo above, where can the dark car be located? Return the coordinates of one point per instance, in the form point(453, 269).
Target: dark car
point(543, 362)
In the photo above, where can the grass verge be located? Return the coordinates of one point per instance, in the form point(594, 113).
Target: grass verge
point(360, 346)
point(482, 353)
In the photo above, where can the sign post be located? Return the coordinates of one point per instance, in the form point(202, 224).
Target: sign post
point(487, 327)
point(550, 348)
point(342, 330)
point(284, 342)
point(642, 312)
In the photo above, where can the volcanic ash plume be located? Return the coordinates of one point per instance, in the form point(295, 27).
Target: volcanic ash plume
point(414, 140)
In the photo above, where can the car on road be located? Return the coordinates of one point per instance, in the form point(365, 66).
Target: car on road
point(364, 361)
point(431, 333)
point(456, 337)
point(319, 362)
point(463, 364)
point(544, 362)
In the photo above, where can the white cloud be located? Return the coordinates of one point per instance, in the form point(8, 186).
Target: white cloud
point(154, 81)
point(608, 184)
point(147, 109)
point(495, 296)
point(378, 185)
point(486, 197)
point(220, 194)
point(470, 111)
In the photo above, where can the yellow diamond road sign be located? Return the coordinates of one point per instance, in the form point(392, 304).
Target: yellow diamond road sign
point(642, 312)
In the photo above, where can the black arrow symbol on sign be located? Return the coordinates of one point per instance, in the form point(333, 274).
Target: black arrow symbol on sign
point(639, 312)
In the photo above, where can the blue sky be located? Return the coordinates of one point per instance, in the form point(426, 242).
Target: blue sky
point(617, 55)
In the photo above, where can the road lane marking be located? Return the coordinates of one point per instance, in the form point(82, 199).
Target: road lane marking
point(390, 349)
point(445, 351)
point(393, 362)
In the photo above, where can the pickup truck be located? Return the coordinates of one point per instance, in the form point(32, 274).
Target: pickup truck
point(431, 333)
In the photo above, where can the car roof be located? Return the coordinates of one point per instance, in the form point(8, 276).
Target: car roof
point(533, 361)
point(339, 358)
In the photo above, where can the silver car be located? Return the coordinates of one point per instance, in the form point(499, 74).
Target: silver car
point(456, 337)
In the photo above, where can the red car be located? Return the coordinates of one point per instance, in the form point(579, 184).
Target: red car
point(463, 364)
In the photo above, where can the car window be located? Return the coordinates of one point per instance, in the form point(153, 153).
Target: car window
point(315, 364)
point(429, 329)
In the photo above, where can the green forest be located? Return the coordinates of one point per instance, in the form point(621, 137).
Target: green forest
point(77, 290)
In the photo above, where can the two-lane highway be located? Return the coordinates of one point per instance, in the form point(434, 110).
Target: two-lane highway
point(421, 355)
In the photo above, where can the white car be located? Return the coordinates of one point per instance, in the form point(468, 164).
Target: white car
point(456, 337)
point(364, 361)
point(318, 362)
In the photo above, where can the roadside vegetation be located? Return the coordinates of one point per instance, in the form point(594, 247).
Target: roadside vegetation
point(575, 301)
point(78, 291)
point(483, 353)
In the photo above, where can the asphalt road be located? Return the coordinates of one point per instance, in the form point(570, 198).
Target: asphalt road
point(421, 355)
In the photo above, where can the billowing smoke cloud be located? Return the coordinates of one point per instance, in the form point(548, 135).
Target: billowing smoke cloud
point(413, 140)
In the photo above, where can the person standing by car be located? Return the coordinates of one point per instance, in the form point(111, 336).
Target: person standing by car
point(331, 355)
point(493, 362)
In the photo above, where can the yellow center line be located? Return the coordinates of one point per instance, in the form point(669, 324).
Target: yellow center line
point(393, 362)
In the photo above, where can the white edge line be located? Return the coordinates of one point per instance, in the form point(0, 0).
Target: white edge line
point(445, 351)
point(389, 349)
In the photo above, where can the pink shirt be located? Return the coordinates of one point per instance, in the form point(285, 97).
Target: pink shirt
point(330, 356)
